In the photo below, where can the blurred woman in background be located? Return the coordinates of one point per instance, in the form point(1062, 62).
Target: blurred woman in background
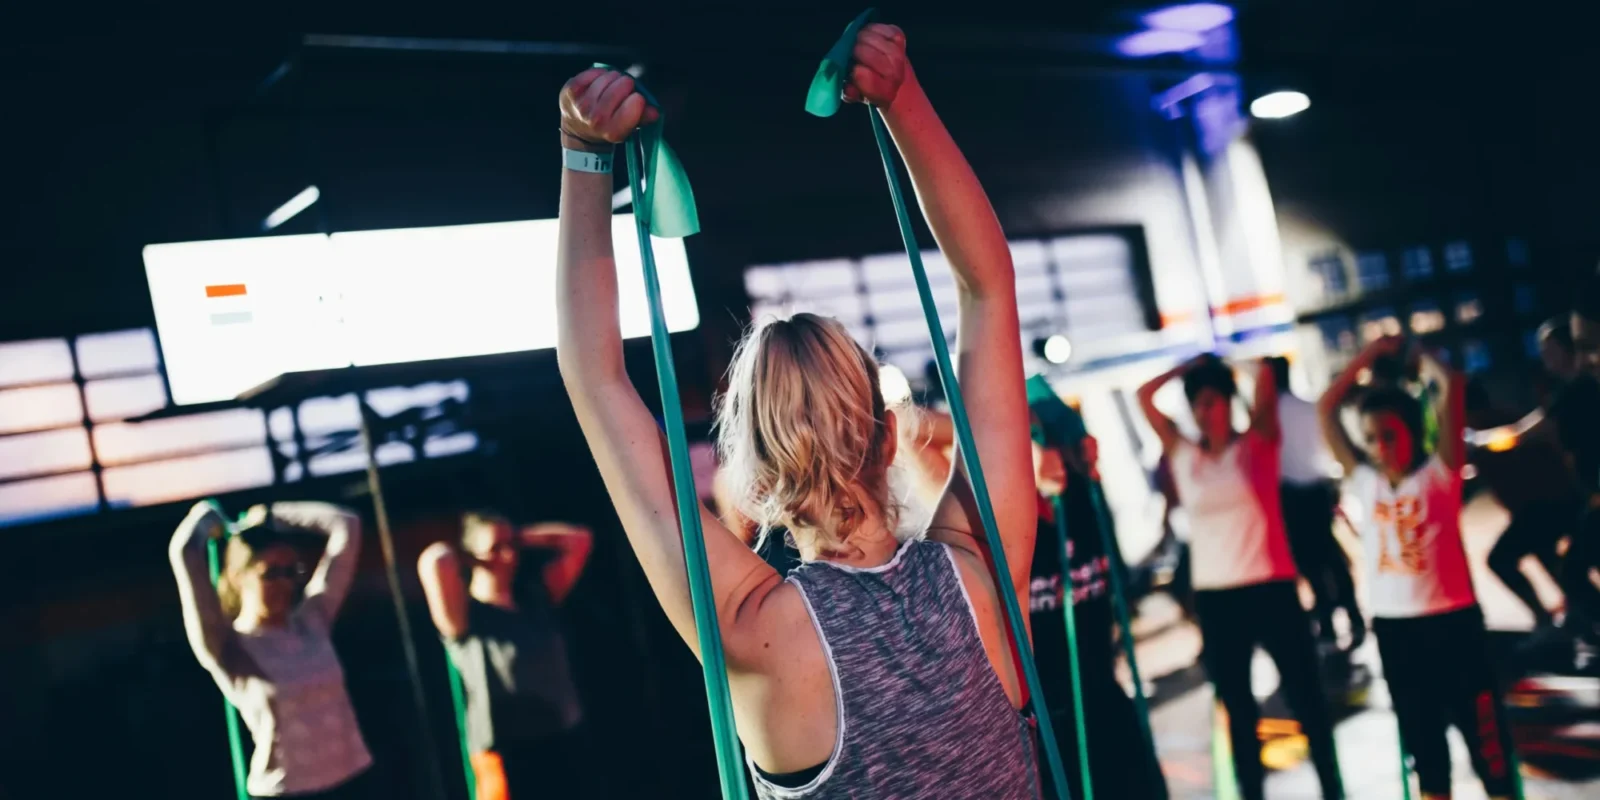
point(505, 639)
point(1425, 615)
point(1243, 572)
point(263, 634)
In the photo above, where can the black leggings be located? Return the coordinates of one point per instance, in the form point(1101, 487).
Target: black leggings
point(1119, 756)
point(1534, 530)
point(1233, 622)
point(1438, 673)
point(1308, 519)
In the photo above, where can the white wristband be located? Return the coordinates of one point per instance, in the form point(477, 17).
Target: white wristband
point(586, 162)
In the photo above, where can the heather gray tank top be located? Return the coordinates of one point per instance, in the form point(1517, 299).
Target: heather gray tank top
point(921, 712)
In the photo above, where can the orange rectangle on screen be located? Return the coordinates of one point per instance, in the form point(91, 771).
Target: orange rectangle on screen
point(225, 290)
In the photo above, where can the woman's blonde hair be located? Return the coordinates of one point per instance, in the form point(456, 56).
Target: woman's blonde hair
point(802, 429)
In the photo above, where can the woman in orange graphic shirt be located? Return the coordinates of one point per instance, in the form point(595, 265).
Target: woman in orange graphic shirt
point(1425, 615)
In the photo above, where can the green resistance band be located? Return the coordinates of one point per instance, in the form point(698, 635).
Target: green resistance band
point(1405, 769)
point(1070, 618)
point(1224, 783)
point(664, 206)
point(458, 697)
point(1062, 426)
point(831, 74)
point(235, 740)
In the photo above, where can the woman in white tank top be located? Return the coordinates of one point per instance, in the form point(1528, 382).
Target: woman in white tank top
point(1240, 563)
point(1425, 615)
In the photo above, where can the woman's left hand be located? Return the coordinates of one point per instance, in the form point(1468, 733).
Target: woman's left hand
point(881, 66)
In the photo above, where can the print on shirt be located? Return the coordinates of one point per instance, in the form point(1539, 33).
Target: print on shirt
point(1407, 553)
point(1089, 581)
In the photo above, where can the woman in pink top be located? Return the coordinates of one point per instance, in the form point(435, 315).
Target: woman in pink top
point(1425, 615)
point(262, 633)
point(1240, 564)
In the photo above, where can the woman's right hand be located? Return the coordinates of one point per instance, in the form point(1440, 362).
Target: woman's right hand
point(600, 106)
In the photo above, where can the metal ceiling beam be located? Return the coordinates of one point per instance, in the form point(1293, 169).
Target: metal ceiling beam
point(474, 46)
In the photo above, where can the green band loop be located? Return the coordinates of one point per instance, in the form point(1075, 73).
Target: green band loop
point(665, 201)
point(724, 732)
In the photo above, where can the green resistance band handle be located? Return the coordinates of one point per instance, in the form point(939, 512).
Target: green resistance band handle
point(235, 740)
point(458, 698)
point(969, 459)
point(646, 154)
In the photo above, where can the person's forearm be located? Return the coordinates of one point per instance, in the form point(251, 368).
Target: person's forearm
point(589, 344)
point(1149, 388)
point(954, 203)
point(323, 518)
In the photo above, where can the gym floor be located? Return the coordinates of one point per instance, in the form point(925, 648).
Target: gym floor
point(1556, 720)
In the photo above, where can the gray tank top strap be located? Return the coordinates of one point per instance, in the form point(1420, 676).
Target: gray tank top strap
point(921, 712)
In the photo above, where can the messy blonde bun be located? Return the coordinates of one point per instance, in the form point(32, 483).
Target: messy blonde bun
point(802, 429)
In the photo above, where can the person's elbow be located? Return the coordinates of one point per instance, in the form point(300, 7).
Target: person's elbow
point(436, 558)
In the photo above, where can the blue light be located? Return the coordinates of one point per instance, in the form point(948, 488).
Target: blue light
point(1191, 17)
point(1153, 43)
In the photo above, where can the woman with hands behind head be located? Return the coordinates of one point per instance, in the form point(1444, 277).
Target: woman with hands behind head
point(1241, 567)
point(881, 668)
point(1425, 616)
point(263, 634)
point(505, 639)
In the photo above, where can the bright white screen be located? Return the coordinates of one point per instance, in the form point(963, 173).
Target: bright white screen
point(233, 313)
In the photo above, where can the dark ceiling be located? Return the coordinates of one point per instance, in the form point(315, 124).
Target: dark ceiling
point(159, 128)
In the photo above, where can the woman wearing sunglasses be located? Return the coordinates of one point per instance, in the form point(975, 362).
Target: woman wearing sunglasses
point(262, 633)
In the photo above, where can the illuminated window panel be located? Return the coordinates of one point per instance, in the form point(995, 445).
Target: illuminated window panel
point(123, 442)
point(117, 353)
point(1468, 309)
point(1530, 343)
point(353, 459)
point(35, 361)
point(889, 269)
point(323, 415)
point(395, 399)
point(1458, 256)
point(39, 407)
point(1416, 264)
point(1426, 318)
point(187, 478)
point(1329, 270)
point(48, 498)
point(28, 454)
point(1030, 258)
point(451, 445)
point(1035, 287)
point(1372, 271)
point(121, 398)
